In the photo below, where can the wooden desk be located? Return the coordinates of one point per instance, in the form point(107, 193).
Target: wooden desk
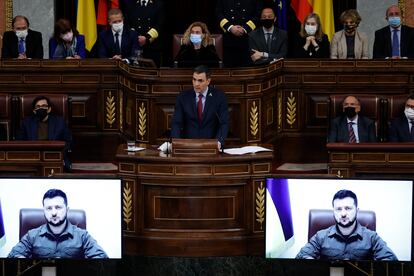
point(193, 206)
point(31, 158)
point(372, 159)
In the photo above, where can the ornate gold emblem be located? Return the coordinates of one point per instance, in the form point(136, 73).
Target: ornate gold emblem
point(260, 209)
point(110, 109)
point(254, 119)
point(9, 14)
point(291, 110)
point(127, 201)
point(142, 121)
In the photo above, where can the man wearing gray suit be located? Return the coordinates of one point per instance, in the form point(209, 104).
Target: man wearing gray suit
point(267, 43)
point(352, 127)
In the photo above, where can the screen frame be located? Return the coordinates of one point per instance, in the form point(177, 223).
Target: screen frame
point(78, 177)
point(331, 177)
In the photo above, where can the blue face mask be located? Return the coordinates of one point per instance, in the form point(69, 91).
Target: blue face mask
point(195, 38)
point(394, 21)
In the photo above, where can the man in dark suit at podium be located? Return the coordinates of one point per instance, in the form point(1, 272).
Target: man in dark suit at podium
point(201, 112)
point(402, 128)
point(352, 127)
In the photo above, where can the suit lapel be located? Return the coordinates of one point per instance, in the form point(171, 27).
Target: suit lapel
point(208, 103)
point(387, 40)
point(402, 41)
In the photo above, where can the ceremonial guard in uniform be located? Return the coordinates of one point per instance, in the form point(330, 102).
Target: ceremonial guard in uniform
point(237, 18)
point(146, 17)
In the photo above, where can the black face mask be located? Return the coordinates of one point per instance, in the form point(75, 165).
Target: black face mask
point(350, 112)
point(41, 114)
point(267, 23)
point(350, 28)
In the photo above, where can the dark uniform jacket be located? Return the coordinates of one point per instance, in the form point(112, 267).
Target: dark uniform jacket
point(383, 47)
point(34, 46)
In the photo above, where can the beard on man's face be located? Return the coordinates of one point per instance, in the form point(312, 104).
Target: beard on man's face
point(57, 223)
point(348, 224)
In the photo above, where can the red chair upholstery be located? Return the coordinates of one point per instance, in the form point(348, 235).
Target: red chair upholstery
point(31, 218)
point(217, 40)
point(323, 218)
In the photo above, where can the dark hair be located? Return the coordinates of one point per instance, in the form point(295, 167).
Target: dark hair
point(39, 98)
point(52, 193)
point(345, 193)
point(20, 17)
point(62, 26)
point(202, 69)
point(114, 11)
point(410, 97)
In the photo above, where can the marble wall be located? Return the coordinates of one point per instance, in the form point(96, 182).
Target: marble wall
point(373, 17)
point(41, 15)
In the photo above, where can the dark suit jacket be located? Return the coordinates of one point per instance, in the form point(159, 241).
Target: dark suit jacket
point(278, 48)
point(383, 47)
point(399, 130)
point(129, 43)
point(215, 121)
point(57, 131)
point(34, 46)
point(189, 57)
point(339, 130)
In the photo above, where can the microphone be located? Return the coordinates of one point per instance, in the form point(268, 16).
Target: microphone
point(221, 139)
point(169, 141)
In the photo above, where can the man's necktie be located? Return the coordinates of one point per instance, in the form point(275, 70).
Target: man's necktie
point(395, 43)
point(117, 50)
point(268, 41)
point(412, 130)
point(200, 107)
point(351, 133)
point(21, 46)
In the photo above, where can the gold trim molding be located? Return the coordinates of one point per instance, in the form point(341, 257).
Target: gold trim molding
point(9, 14)
point(260, 208)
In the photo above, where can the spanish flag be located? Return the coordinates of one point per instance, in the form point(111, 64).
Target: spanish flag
point(324, 8)
point(86, 22)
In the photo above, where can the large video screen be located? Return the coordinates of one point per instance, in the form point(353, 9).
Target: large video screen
point(320, 219)
point(86, 225)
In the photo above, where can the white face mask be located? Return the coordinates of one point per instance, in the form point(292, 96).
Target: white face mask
point(21, 34)
point(409, 113)
point(67, 37)
point(117, 27)
point(310, 29)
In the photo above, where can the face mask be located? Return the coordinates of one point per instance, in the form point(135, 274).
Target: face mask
point(350, 28)
point(195, 38)
point(41, 113)
point(394, 21)
point(350, 112)
point(21, 34)
point(267, 23)
point(117, 27)
point(310, 29)
point(409, 113)
point(67, 37)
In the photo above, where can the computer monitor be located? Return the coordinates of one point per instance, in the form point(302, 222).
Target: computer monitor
point(295, 206)
point(97, 200)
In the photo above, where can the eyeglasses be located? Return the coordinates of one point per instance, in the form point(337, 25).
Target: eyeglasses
point(41, 106)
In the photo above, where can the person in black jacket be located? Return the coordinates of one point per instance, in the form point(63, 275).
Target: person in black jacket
point(311, 42)
point(384, 44)
point(197, 47)
point(22, 42)
point(401, 128)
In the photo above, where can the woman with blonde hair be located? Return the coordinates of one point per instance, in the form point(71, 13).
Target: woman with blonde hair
point(197, 47)
point(349, 43)
point(311, 41)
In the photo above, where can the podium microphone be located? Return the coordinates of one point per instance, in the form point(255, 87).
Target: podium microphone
point(221, 139)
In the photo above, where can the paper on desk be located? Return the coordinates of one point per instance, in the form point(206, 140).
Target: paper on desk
point(134, 149)
point(166, 146)
point(245, 150)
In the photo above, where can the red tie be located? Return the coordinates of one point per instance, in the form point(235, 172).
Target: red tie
point(351, 133)
point(200, 107)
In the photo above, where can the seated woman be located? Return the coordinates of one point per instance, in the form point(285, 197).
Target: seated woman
point(311, 41)
point(66, 42)
point(197, 47)
point(349, 43)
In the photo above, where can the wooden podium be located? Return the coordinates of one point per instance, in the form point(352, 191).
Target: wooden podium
point(199, 205)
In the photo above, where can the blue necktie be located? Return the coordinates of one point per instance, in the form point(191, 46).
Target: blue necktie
point(395, 43)
point(21, 46)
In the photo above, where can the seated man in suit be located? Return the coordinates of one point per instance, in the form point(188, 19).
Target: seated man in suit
point(347, 239)
point(57, 238)
point(22, 42)
point(268, 42)
point(201, 112)
point(119, 42)
point(401, 128)
point(396, 40)
point(352, 127)
point(44, 125)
